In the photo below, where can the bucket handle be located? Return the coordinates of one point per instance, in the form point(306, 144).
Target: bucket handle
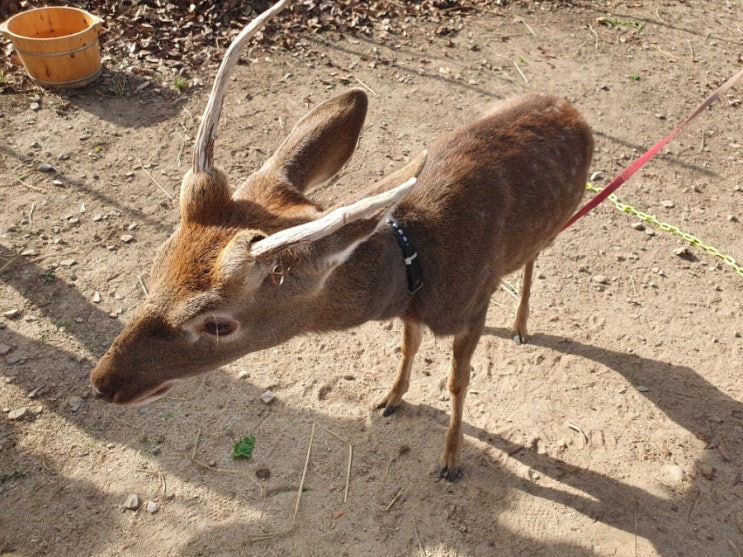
point(96, 22)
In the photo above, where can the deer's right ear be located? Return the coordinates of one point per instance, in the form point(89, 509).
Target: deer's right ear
point(321, 142)
point(236, 264)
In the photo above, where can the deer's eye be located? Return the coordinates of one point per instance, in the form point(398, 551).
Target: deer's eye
point(219, 327)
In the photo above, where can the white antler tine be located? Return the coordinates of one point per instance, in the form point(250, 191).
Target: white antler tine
point(203, 156)
point(326, 225)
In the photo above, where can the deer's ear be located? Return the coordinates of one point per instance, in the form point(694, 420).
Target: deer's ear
point(321, 142)
point(237, 264)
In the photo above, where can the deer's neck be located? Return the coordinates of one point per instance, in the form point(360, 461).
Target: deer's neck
point(370, 285)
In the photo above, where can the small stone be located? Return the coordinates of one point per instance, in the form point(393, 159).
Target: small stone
point(37, 410)
point(28, 253)
point(67, 262)
point(45, 167)
point(11, 360)
point(681, 252)
point(18, 413)
point(642, 389)
point(650, 232)
point(599, 279)
point(58, 183)
point(596, 176)
point(75, 402)
point(35, 392)
point(151, 507)
point(132, 226)
point(12, 314)
point(243, 374)
point(4, 349)
point(268, 397)
point(132, 502)
point(127, 238)
point(674, 474)
point(638, 226)
point(732, 218)
point(64, 157)
point(668, 204)
point(96, 297)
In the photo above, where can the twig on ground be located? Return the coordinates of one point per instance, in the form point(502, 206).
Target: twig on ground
point(365, 86)
point(510, 288)
point(144, 288)
point(527, 26)
point(168, 194)
point(595, 34)
point(418, 538)
point(693, 504)
point(29, 186)
point(348, 473)
point(9, 263)
point(304, 472)
point(520, 72)
point(395, 498)
point(577, 428)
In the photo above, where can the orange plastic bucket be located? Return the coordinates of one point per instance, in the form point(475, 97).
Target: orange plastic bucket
point(57, 45)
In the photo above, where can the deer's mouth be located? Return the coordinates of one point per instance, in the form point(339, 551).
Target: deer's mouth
point(140, 400)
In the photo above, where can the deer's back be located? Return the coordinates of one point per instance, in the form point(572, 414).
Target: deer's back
point(491, 196)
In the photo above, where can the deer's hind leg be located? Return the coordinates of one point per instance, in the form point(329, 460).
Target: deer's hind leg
point(411, 341)
point(522, 314)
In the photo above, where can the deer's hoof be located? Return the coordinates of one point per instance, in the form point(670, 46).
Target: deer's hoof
point(518, 339)
point(388, 410)
point(450, 474)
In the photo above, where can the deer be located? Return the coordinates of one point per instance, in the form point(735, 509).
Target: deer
point(249, 269)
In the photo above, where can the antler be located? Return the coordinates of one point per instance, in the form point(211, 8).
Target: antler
point(203, 154)
point(331, 222)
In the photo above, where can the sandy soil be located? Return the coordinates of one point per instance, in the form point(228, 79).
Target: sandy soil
point(618, 430)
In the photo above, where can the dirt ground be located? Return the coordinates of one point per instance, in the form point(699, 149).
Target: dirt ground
point(617, 430)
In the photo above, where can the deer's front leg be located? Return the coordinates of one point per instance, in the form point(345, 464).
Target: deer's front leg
point(411, 341)
point(459, 378)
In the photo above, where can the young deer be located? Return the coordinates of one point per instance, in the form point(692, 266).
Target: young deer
point(248, 270)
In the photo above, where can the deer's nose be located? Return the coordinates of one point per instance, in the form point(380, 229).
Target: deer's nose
point(107, 395)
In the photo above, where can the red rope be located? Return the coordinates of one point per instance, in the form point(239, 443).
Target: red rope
point(627, 173)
